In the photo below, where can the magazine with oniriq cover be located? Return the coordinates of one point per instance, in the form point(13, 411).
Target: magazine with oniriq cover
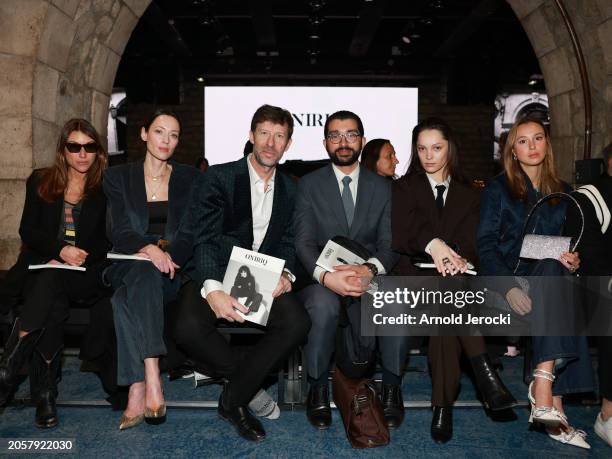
point(251, 277)
point(334, 254)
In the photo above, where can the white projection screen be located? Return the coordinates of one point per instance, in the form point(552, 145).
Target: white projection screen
point(388, 113)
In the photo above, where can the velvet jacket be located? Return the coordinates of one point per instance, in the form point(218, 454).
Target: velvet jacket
point(500, 231)
point(223, 218)
point(128, 215)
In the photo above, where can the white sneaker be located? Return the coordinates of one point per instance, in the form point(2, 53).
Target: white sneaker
point(264, 406)
point(571, 436)
point(604, 429)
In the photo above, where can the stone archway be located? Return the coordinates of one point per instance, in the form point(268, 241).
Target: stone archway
point(546, 30)
point(58, 60)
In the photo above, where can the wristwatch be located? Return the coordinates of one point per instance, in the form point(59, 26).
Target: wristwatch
point(372, 267)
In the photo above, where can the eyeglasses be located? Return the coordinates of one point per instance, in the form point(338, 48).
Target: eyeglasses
point(74, 147)
point(336, 137)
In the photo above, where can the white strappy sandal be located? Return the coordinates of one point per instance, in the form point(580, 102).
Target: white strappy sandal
point(546, 415)
point(574, 437)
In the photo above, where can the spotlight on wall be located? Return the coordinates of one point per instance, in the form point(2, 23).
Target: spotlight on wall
point(207, 20)
point(314, 33)
point(535, 79)
point(200, 79)
point(317, 4)
point(407, 32)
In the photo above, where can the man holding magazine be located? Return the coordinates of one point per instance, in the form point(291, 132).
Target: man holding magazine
point(246, 204)
point(343, 199)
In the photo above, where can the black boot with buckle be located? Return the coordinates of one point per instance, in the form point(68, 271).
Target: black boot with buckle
point(44, 377)
point(17, 353)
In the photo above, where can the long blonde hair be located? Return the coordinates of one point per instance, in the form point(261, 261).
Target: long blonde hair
point(549, 181)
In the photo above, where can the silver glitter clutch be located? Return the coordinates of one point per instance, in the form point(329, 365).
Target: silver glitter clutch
point(538, 247)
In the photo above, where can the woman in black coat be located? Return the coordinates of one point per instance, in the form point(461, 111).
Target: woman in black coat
point(148, 216)
point(435, 213)
point(62, 224)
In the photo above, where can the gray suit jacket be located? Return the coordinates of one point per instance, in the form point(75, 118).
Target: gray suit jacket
point(320, 216)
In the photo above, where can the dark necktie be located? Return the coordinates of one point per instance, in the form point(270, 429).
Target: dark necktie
point(347, 200)
point(440, 196)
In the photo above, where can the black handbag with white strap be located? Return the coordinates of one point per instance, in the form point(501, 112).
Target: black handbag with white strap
point(599, 205)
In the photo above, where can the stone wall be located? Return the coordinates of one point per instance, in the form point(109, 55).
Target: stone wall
point(58, 60)
point(549, 37)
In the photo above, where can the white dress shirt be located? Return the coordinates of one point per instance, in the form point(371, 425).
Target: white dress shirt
point(262, 199)
point(354, 175)
point(433, 185)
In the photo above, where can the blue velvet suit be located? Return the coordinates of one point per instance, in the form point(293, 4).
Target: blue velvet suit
point(499, 240)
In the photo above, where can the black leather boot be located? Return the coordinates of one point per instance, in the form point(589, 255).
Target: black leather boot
point(393, 405)
point(44, 377)
point(442, 424)
point(17, 353)
point(318, 409)
point(495, 395)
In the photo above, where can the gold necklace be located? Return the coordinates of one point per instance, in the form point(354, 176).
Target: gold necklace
point(157, 178)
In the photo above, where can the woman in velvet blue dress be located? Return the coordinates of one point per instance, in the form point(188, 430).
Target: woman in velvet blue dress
point(561, 363)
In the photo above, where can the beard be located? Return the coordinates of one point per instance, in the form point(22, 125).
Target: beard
point(264, 162)
point(344, 161)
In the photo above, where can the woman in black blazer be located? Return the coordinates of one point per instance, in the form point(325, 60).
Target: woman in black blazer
point(435, 212)
point(148, 203)
point(62, 224)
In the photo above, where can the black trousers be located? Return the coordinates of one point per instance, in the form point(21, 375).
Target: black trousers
point(444, 359)
point(47, 296)
point(196, 335)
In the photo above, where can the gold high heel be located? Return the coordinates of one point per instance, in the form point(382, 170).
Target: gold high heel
point(126, 422)
point(155, 416)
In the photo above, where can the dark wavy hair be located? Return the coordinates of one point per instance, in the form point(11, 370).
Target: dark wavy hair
point(452, 165)
point(371, 153)
point(54, 179)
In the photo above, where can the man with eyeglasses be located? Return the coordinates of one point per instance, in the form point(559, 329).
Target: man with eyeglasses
point(344, 199)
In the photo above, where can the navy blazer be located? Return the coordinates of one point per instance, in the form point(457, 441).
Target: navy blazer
point(499, 236)
point(128, 215)
point(320, 216)
point(223, 217)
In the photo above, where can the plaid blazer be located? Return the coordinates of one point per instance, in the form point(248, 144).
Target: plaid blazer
point(223, 217)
